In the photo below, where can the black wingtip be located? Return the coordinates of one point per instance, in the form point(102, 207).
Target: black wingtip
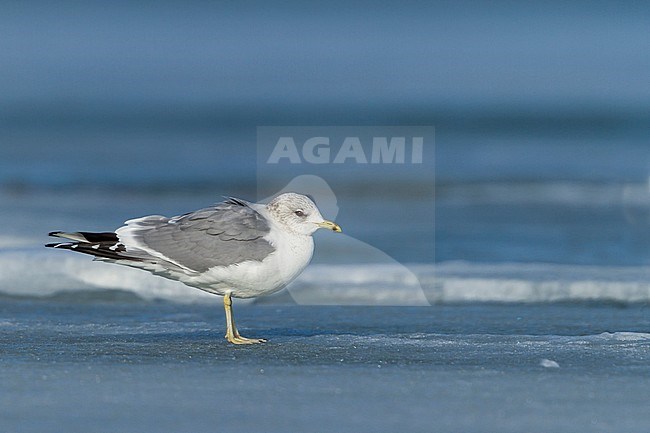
point(55, 234)
point(59, 245)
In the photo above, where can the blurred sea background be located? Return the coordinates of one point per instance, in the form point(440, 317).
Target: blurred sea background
point(525, 227)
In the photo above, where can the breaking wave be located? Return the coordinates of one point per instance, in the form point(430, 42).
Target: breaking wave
point(35, 273)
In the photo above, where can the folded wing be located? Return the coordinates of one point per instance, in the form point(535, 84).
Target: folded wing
point(226, 234)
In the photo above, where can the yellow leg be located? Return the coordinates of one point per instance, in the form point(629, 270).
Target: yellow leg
point(232, 335)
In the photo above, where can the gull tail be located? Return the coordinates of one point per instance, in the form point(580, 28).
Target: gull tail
point(104, 245)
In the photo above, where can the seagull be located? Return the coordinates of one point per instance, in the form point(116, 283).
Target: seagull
point(234, 249)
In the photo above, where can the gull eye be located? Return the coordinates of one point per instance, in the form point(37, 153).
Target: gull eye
point(299, 213)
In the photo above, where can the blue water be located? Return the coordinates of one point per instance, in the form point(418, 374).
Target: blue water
point(502, 284)
point(128, 367)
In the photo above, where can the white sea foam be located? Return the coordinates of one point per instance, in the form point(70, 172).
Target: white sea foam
point(40, 272)
point(46, 273)
point(536, 282)
point(624, 336)
point(549, 363)
point(359, 284)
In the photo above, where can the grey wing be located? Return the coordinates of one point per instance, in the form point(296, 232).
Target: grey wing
point(226, 234)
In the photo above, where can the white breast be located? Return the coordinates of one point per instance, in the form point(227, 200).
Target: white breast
point(293, 254)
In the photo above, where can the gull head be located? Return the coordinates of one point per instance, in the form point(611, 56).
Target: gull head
point(299, 214)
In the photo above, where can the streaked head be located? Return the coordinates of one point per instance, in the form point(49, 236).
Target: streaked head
point(299, 214)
